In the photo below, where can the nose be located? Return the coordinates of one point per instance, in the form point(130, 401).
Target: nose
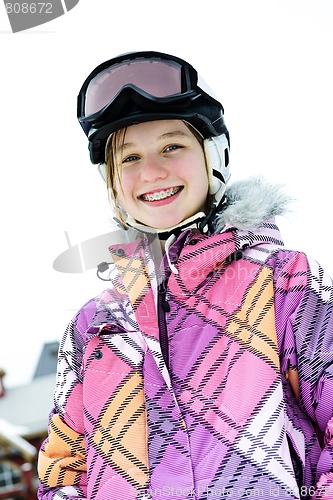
point(153, 168)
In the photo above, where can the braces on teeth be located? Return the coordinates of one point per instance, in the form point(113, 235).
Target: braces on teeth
point(161, 195)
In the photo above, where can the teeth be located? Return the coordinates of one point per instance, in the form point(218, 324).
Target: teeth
point(161, 195)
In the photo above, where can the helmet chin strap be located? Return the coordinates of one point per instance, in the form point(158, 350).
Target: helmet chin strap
point(192, 222)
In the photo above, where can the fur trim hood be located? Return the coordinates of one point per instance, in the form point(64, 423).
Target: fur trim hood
point(249, 203)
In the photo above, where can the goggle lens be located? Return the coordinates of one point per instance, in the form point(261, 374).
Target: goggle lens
point(159, 78)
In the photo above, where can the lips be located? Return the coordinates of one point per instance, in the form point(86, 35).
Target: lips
point(163, 194)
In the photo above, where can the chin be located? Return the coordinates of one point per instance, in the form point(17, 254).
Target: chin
point(168, 225)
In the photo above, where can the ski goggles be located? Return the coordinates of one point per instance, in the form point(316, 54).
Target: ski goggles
point(156, 77)
point(159, 78)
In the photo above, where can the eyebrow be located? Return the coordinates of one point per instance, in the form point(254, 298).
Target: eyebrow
point(176, 133)
point(167, 135)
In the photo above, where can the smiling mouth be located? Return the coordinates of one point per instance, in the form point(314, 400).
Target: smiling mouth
point(161, 195)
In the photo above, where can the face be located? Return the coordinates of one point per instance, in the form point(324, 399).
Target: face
point(162, 177)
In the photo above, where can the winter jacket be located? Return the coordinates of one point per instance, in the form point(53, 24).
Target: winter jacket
point(211, 379)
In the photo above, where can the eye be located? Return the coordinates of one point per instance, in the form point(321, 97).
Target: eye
point(173, 147)
point(130, 158)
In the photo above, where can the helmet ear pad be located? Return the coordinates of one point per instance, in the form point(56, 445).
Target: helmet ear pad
point(101, 167)
point(97, 151)
point(216, 151)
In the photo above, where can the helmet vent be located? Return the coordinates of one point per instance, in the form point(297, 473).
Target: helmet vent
point(226, 157)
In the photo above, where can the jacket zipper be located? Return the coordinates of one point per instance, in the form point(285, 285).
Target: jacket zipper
point(163, 308)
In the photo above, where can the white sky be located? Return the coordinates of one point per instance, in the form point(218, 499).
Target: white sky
point(269, 61)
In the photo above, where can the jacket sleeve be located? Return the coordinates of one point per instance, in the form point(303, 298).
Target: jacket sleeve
point(62, 457)
point(304, 310)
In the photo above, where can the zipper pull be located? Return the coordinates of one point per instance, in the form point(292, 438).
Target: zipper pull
point(165, 305)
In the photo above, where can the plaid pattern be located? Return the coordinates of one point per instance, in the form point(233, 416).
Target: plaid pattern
point(222, 419)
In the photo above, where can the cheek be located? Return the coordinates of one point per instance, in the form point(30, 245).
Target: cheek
point(202, 176)
point(202, 187)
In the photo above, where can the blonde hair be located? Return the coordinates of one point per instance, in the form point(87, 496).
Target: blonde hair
point(115, 144)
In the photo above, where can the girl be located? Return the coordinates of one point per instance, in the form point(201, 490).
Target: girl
point(205, 369)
